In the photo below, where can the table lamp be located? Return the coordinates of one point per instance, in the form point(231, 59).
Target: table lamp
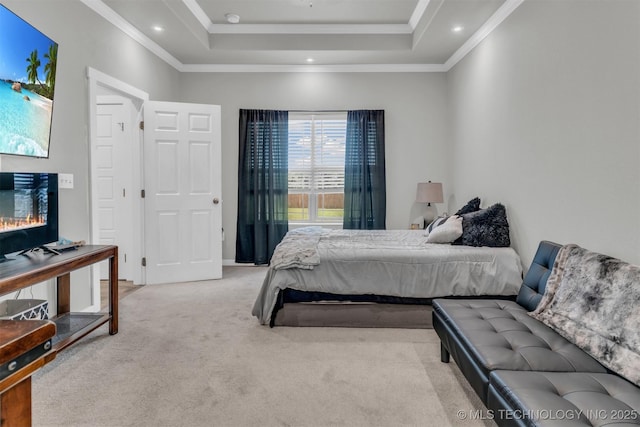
point(429, 192)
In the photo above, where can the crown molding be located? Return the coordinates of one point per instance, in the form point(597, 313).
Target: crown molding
point(287, 29)
point(110, 15)
point(417, 14)
point(336, 68)
point(212, 28)
point(496, 19)
point(107, 13)
point(197, 11)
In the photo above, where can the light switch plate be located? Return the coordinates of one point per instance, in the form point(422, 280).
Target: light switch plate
point(65, 180)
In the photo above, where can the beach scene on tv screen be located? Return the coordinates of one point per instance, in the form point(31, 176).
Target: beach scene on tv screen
point(27, 82)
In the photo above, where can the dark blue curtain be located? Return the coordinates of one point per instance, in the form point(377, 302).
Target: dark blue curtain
point(365, 194)
point(262, 184)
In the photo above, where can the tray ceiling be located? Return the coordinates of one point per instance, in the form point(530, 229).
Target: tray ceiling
point(358, 35)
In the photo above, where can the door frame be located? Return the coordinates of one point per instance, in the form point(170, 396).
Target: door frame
point(101, 84)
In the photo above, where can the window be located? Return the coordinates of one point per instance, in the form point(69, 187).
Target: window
point(316, 167)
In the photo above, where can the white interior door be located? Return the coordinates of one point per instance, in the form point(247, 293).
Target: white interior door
point(183, 211)
point(113, 162)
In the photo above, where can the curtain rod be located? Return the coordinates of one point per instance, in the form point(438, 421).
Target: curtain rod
point(318, 111)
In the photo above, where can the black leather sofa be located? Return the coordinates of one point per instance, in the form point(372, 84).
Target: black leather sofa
point(525, 373)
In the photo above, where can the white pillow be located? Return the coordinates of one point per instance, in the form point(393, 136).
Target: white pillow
point(435, 223)
point(447, 232)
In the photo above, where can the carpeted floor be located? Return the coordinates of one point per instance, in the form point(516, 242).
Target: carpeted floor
point(191, 354)
point(125, 287)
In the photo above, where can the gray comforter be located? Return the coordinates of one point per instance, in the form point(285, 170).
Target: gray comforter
point(391, 263)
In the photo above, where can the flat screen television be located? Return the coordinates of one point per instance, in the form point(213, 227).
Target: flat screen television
point(27, 83)
point(28, 211)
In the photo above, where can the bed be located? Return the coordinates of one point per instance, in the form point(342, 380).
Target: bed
point(356, 270)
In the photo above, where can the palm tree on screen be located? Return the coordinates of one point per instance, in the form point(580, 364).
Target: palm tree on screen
point(50, 68)
point(32, 68)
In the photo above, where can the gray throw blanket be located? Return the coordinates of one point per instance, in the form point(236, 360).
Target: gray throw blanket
point(298, 249)
point(593, 300)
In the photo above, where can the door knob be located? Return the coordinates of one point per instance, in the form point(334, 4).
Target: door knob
point(215, 201)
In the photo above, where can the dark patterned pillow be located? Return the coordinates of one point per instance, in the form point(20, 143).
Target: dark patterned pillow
point(486, 227)
point(471, 206)
point(436, 222)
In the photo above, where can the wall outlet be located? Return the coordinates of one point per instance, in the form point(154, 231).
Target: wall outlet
point(65, 180)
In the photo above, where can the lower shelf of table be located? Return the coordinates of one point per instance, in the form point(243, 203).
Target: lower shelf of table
point(70, 327)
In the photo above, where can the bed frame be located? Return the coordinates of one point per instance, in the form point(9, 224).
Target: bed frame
point(301, 308)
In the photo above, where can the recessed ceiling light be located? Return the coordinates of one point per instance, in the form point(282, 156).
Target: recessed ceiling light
point(457, 28)
point(232, 18)
point(309, 59)
point(157, 28)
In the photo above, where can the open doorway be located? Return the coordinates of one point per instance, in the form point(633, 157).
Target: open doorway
point(177, 163)
point(115, 109)
point(113, 162)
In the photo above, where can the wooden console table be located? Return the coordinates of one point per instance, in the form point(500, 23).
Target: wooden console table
point(36, 267)
point(26, 345)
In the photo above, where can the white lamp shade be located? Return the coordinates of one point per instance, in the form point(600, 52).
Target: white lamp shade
point(429, 192)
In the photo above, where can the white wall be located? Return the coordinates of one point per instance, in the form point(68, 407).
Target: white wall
point(415, 125)
point(544, 117)
point(85, 40)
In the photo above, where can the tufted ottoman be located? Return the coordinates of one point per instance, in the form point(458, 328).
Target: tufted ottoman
point(487, 335)
point(562, 399)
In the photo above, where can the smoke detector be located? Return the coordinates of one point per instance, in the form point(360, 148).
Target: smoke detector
point(232, 18)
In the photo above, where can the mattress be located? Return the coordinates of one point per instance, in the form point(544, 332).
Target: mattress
point(397, 263)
